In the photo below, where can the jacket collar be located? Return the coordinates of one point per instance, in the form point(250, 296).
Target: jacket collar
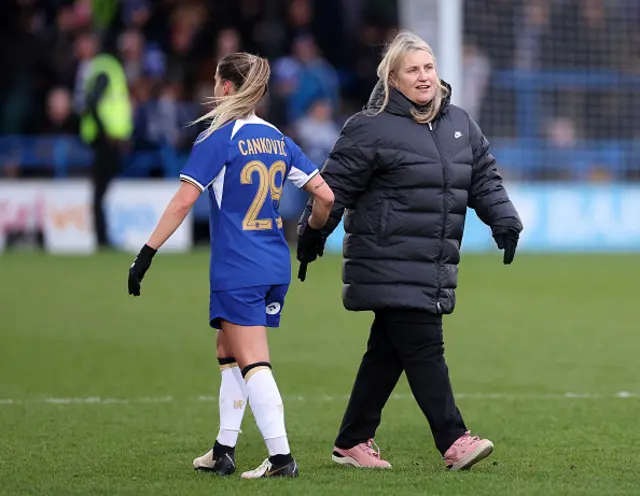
point(398, 103)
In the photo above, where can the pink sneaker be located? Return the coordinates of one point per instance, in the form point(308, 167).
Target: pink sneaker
point(467, 451)
point(363, 455)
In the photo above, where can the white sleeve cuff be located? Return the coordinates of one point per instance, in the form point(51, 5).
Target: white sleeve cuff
point(189, 179)
point(299, 178)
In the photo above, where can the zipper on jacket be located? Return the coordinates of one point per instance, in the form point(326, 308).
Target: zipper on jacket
point(444, 218)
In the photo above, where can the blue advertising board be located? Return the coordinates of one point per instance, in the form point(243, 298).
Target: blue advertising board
point(560, 218)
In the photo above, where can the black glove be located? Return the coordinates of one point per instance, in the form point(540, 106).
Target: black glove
point(310, 247)
point(139, 268)
point(508, 241)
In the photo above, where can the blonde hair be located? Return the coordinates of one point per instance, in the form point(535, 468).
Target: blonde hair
point(249, 75)
point(403, 43)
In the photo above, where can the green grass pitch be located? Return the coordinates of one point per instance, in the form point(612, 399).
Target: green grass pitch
point(103, 393)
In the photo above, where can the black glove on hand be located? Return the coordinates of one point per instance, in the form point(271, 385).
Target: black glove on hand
point(310, 247)
point(139, 268)
point(507, 241)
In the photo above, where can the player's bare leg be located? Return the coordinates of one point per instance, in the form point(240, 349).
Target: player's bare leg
point(232, 403)
point(251, 350)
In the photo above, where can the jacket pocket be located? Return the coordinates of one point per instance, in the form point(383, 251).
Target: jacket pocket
point(383, 229)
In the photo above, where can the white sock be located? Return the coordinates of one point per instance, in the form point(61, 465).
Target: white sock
point(268, 409)
point(237, 374)
point(232, 404)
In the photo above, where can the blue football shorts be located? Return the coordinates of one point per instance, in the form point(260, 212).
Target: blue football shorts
point(255, 306)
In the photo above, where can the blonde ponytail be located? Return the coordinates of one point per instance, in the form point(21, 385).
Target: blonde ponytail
point(250, 75)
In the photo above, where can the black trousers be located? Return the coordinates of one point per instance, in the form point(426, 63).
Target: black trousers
point(106, 164)
point(410, 341)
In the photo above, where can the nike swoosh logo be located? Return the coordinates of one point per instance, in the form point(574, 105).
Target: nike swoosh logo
point(272, 472)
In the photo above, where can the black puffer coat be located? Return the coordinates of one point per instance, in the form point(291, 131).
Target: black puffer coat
point(404, 189)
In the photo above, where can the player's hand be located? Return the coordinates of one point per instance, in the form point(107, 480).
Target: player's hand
point(310, 247)
point(310, 244)
point(507, 241)
point(139, 268)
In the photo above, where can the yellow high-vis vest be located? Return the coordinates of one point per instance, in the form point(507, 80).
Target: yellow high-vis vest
point(114, 108)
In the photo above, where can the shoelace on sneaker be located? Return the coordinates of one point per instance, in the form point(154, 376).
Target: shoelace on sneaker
point(372, 448)
point(467, 437)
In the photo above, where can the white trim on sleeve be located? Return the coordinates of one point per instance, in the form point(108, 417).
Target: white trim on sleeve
point(300, 178)
point(189, 179)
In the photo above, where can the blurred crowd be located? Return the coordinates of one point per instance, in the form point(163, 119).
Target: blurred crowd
point(324, 55)
point(566, 72)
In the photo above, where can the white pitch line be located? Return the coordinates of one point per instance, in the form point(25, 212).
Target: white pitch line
point(96, 400)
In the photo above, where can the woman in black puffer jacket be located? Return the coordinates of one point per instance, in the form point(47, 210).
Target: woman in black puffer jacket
point(403, 172)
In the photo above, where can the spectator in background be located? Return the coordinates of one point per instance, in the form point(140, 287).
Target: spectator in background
point(155, 62)
point(131, 47)
point(60, 43)
point(86, 48)
point(563, 158)
point(492, 26)
point(560, 156)
point(55, 120)
point(22, 54)
point(284, 80)
point(183, 64)
point(532, 31)
point(161, 120)
point(367, 55)
point(304, 78)
point(585, 35)
point(101, 12)
point(476, 72)
point(316, 78)
point(299, 20)
point(152, 74)
point(228, 42)
point(59, 118)
point(162, 113)
point(106, 125)
point(493, 20)
point(135, 13)
point(317, 132)
point(83, 13)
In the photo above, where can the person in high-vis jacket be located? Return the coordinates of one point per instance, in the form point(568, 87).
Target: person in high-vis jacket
point(106, 125)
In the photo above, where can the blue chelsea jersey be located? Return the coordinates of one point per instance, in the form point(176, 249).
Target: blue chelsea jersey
point(244, 165)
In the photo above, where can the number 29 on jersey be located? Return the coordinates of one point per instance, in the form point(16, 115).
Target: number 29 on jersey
point(268, 185)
